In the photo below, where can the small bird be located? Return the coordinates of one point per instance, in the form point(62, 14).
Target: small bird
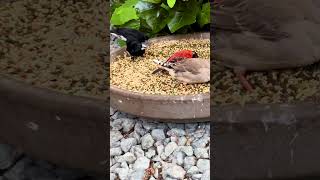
point(188, 70)
point(259, 35)
point(135, 40)
point(177, 56)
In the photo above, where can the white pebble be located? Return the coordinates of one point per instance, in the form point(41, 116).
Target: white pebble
point(203, 165)
point(127, 124)
point(115, 166)
point(139, 129)
point(115, 151)
point(193, 170)
point(148, 125)
point(176, 132)
point(141, 163)
point(124, 165)
point(196, 176)
point(129, 157)
point(115, 136)
point(116, 124)
point(147, 141)
point(201, 143)
point(160, 149)
point(137, 174)
point(206, 175)
point(137, 151)
point(158, 134)
point(170, 148)
point(150, 153)
point(201, 153)
point(112, 176)
point(189, 162)
point(122, 173)
point(188, 150)
point(126, 144)
point(173, 171)
point(182, 141)
point(179, 158)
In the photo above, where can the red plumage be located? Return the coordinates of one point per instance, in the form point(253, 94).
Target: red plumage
point(181, 54)
point(177, 56)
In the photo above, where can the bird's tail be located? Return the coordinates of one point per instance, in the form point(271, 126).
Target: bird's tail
point(116, 35)
point(161, 63)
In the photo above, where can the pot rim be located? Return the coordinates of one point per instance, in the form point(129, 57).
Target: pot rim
point(156, 97)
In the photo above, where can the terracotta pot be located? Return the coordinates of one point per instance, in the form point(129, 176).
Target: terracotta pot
point(264, 141)
point(64, 129)
point(189, 108)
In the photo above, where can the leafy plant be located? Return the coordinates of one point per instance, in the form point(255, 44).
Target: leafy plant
point(158, 16)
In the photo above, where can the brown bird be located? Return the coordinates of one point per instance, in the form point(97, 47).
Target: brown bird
point(258, 35)
point(189, 70)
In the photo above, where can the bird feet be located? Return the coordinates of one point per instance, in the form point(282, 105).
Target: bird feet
point(243, 80)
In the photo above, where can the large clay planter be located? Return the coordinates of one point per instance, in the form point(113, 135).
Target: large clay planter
point(66, 130)
point(266, 141)
point(189, 108)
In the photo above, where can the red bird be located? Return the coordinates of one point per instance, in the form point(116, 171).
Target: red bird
point(178, 56)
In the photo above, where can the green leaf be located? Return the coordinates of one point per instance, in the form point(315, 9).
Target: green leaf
point(185, 15)
point(153, 1)
point(165, 6)
point(124, 13)
point(132, 24)
point(155, 16)
point(130, 3)
point(204, 15)
point(121, 42)
point(171, 3)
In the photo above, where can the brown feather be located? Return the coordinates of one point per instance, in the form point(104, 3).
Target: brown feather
point(266, 34)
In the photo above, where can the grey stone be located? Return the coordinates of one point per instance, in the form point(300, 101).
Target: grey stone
point(176, 132)
point(201, 153)
point(127, 124)
point(115, 151)
point(126, 144)
point(141, 163)
point(147, 141)
point(188, 150)
point(158, 134)
point(206, 175)
point(170, 148)
point(203, 165)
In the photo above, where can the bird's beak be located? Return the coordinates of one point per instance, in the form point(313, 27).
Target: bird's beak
point(144, 46)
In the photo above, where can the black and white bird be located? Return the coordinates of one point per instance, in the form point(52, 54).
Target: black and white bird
point(135, 40)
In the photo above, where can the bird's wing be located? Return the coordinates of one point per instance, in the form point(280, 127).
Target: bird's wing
point(191, 65)
point(259, 17)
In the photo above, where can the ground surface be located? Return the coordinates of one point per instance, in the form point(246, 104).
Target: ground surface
point(141, 149)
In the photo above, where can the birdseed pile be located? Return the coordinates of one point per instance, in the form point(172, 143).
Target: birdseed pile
point(55, 44)
point(137, 75)
point(282, 86)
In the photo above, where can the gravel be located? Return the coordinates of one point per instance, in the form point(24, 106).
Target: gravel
point(155, 150)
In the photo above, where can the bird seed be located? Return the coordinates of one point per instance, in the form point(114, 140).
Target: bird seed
point(136, 75)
